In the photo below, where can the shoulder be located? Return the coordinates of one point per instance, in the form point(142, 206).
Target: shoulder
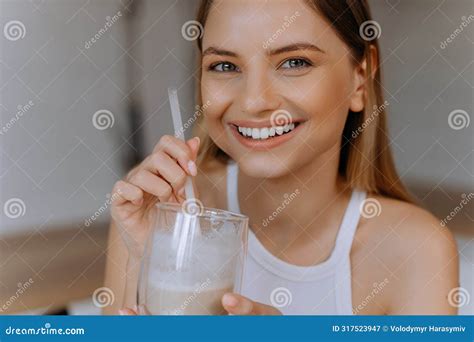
point(407, 224)
point(415, 251)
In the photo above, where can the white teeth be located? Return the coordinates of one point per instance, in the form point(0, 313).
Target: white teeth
point(265, 132)
point(255, 133)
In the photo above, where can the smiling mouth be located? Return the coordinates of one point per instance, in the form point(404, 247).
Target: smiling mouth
point(265, 133)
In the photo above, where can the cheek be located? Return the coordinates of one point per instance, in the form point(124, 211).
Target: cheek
point(325, 98)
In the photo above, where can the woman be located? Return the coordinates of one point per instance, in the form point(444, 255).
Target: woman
point(295, 108)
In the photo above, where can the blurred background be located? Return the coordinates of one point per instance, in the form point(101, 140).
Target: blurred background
point(83, 98)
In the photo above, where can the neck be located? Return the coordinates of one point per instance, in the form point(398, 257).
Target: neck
point(297, 199)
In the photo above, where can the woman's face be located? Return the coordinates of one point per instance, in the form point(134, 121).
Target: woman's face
point(273, 63)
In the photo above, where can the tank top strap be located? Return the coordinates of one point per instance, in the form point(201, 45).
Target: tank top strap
point(232, 187)
point(349, 224)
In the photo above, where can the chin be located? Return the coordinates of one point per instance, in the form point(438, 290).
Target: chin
point(263, 166)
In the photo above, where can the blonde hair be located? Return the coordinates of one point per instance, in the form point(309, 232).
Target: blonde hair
point(366, 160)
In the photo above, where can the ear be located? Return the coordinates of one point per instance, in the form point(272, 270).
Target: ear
point(360, 76)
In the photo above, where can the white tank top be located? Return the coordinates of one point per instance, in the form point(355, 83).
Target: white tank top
point(322, 289)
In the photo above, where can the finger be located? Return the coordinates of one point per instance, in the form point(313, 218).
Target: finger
point(194, 145)
point(127, 312)
point(123, 192)
point(239, 305)
point(162, 164)
point(178, 150)
point(152, 184)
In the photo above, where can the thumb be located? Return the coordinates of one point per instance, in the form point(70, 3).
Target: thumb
point(194, 144)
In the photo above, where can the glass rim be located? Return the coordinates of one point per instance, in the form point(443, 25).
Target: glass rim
point(206, 212)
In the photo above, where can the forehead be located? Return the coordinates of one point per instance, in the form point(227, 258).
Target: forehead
point(255, 24)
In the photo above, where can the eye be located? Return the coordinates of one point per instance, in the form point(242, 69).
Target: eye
point(295, 63)
point(223, 67)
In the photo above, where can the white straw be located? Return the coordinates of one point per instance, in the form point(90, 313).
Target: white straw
point(178, 132)
point(184, 231)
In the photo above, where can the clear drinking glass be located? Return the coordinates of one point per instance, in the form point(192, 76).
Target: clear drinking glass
point(191, 258)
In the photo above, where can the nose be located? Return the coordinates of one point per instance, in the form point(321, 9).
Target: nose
point(258, 94)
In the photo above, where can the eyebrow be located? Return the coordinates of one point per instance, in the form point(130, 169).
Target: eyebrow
point(288, 48)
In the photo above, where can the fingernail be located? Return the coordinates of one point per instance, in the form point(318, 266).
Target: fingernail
point(198, 140)
point(230, 300)
point(192, 168)
point(122, 312)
